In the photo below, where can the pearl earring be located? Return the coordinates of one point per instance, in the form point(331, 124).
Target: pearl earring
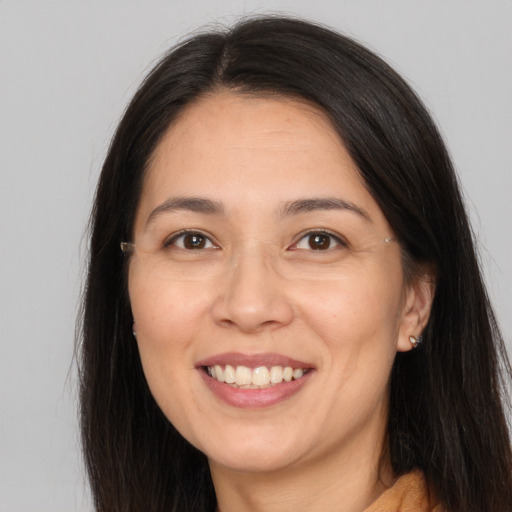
point(415, 342)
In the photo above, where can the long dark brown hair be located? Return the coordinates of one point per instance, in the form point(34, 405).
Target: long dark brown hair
point(446, 406)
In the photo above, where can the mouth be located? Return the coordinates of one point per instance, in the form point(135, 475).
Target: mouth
point(254, 381)
point(260, 377)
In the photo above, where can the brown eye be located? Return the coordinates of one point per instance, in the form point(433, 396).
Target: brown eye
point(190, 241)
point(319, 241)
point(194, 241)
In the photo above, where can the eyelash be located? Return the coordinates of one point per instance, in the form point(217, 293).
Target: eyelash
point(339, 241)
point(171, 241)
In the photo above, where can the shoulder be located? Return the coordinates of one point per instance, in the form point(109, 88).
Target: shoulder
point(409, 493)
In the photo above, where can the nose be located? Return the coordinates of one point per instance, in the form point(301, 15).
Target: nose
point(251, 297)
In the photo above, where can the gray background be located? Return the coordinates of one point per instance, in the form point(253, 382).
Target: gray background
point(67, 70)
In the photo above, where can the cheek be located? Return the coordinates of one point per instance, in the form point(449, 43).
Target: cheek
point(165, 311)
point(356, 321)
point(358, 308)
point(168, 317)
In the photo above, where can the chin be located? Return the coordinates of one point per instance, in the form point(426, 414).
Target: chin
point(248, 456)
point(255, 461)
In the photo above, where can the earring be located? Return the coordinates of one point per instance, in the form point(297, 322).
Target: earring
point(415, 342)
point(133, 330)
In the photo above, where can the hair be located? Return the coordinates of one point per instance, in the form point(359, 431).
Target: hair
point(447, 398)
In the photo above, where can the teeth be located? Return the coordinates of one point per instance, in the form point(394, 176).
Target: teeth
point(260, 377)
point(217, 373)
point(243, 376)
point(276, 374)
point(298, 373)
point(229, 375)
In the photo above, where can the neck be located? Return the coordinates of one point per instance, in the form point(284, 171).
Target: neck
point(343, 484)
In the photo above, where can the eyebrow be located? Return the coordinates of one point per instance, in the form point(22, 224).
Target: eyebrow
point(288, 209)
point(302, 206)
point(192, 204)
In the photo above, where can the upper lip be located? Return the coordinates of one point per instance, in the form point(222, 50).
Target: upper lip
point(253, 360)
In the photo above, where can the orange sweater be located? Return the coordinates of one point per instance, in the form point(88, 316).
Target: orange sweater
point(408, 494)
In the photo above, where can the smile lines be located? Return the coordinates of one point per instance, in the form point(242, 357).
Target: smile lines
point(261, 377)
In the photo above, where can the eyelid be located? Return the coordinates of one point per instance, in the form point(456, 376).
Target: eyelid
point(170, 240)
point(336, 237)
point(340, 241)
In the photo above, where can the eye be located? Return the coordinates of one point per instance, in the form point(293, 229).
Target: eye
point(319, 241)
point(190, 240)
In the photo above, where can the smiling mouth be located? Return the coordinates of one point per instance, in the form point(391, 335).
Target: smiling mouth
point(261, 377)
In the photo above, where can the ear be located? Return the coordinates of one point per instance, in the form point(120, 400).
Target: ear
point(418, 297)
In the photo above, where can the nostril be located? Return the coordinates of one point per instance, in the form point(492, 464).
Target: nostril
point(252, 317)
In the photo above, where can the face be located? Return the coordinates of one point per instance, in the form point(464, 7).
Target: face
point(262, 260)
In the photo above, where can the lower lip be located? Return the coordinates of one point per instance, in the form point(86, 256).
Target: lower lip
point(254, 398)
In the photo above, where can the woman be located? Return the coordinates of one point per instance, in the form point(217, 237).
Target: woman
point(283, 307)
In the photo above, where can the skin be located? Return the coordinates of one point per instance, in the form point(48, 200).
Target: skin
point(258, 287)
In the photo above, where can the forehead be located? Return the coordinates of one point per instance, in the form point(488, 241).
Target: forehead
point(252, 151)
point(252, 120)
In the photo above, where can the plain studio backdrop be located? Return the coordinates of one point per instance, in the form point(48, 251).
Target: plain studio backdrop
point(67, 70)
